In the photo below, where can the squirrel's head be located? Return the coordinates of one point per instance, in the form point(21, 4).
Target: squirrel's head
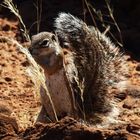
point(46, 50)
point(44, 43)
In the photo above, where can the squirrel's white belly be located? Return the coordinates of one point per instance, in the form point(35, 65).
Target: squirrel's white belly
point(57, 87)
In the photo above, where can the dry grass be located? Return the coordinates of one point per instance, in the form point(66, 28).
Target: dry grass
point(9, 4)
point(100, 16)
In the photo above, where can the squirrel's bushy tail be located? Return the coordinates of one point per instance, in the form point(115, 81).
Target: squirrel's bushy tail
point(96, 60)
point(69, 27)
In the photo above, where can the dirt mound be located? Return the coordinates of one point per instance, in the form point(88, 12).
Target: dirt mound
point(16, 88)
point(67, 129)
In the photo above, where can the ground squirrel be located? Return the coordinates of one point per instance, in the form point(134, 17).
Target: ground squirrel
point(47, 52)
point(90, 61)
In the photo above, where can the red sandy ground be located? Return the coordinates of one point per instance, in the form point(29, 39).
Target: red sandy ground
point(20, 104)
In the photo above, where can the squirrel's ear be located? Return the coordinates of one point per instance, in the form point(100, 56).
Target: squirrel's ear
point(33, 37)
point(33, 40)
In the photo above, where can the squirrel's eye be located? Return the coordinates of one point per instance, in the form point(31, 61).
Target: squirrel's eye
point(44, 43)
point(53, 38)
